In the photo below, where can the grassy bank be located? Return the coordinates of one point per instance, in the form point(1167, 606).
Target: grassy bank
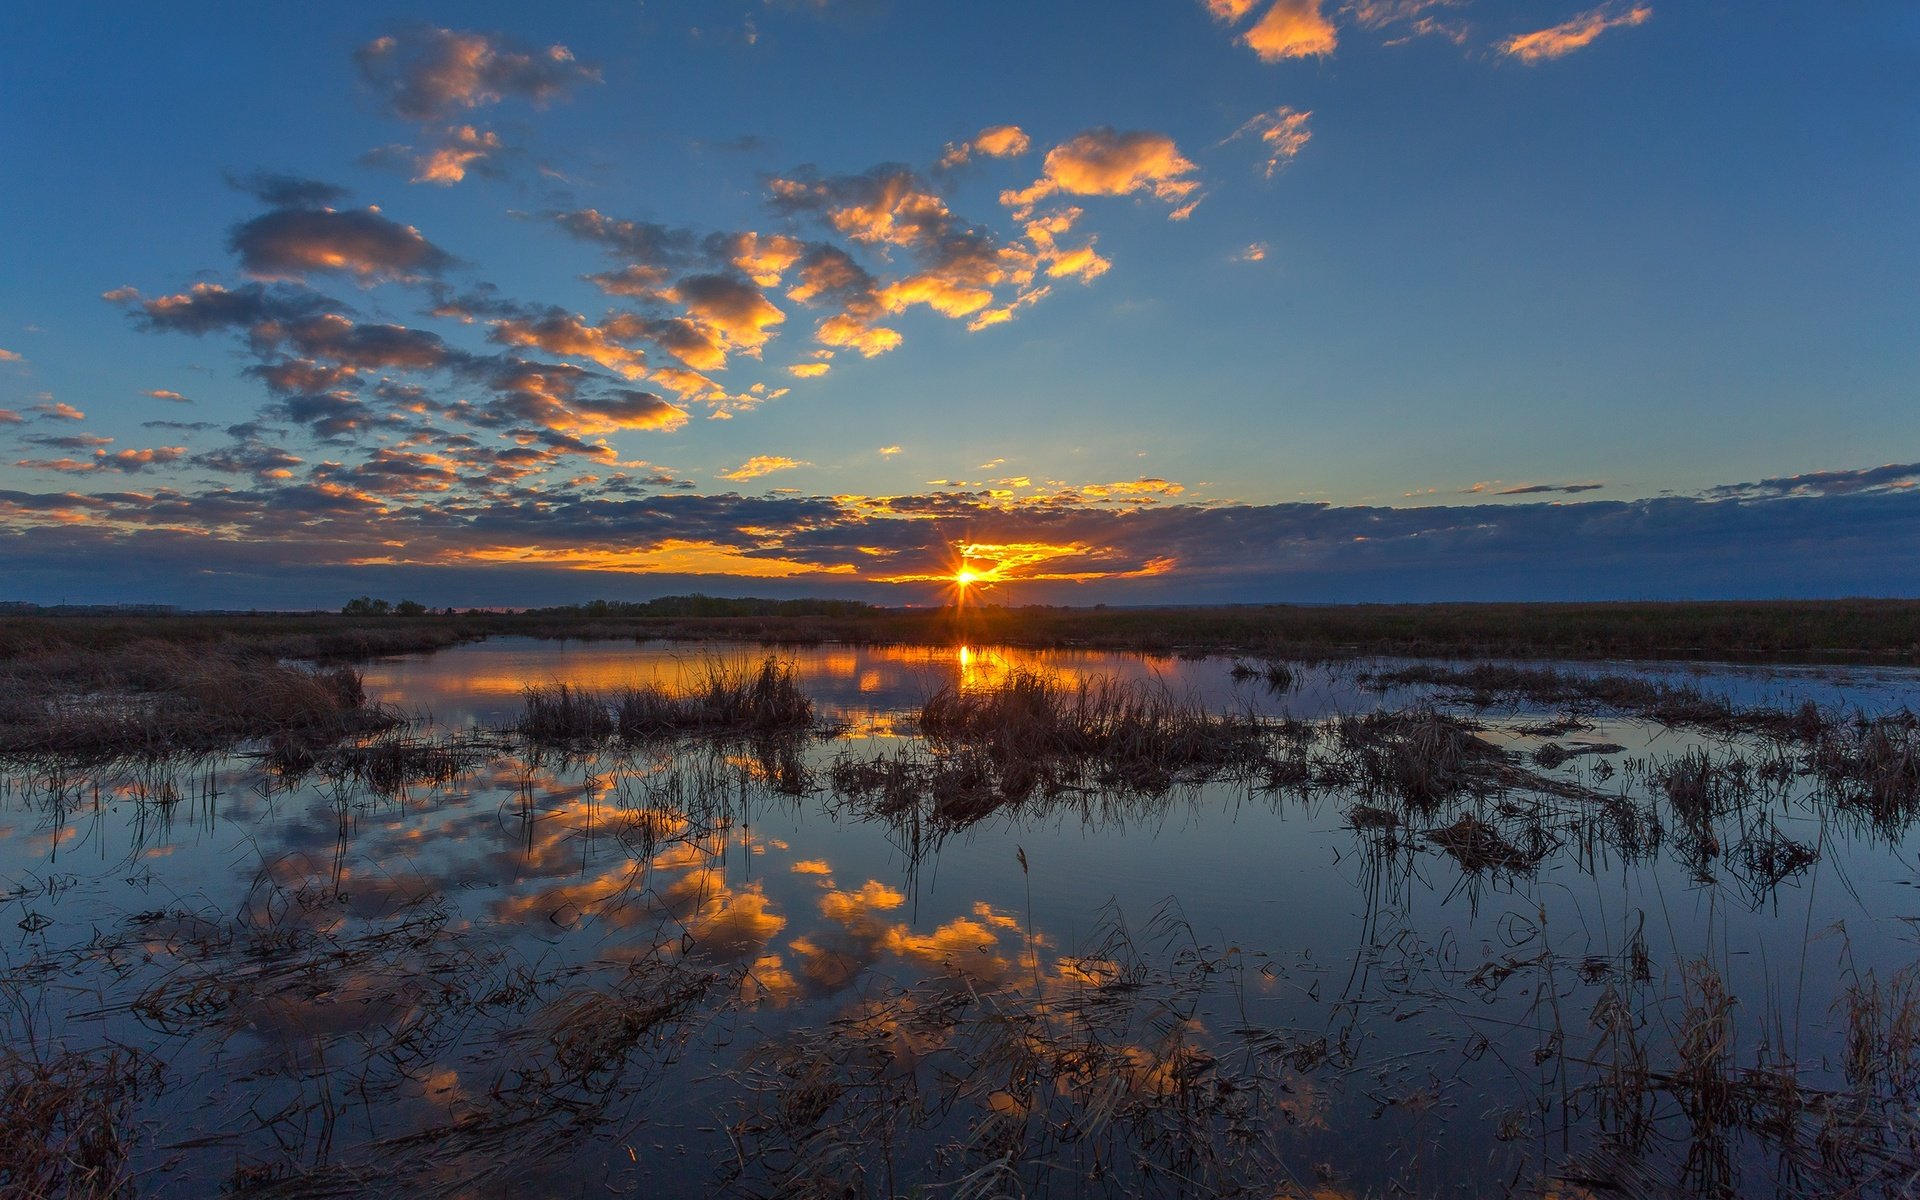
point(1779, 631)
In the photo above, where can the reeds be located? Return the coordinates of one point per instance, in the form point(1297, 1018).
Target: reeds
point(153, 700)
point(66, 1122)
point(726, 699)
point(1034, 734)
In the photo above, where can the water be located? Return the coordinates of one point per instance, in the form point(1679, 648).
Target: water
point(434, 989)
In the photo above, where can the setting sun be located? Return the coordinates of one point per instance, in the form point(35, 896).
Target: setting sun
point(964, 577)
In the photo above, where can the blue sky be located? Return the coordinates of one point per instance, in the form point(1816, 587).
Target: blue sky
point(1660, 254)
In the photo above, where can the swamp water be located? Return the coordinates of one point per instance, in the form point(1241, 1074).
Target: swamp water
point(1669, 961)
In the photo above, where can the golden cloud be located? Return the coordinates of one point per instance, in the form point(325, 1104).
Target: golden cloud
point(447, 164)
point(1291, 29)
point(1283, 133)
point(1573, 34)
point(1105, 162)
point(762, 464)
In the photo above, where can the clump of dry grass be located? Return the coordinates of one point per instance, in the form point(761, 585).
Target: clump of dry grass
point(65, 1123)
point(1873, 764)
point(1130, 727)
point(151, 699)
point(1421, 757)
point(1478, 846)
point(1486, 684)
point(1278, 674)
point(1033, 735)
point(727, 699)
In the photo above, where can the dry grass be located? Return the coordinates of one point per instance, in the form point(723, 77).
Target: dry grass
point(66, 1122)
point(151, 699)
point(1420, 757)
point(728, 699)
point(1033, 735)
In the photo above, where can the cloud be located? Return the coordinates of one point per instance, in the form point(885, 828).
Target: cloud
point(1573, 34)
point(126, 462)
point(57, 411)
point(288, 191)
point(11, 356)
point(1283, 133)
point(643, 243)
point(1291, 29)
point(1230, 11)
point(1412, 14)
point(809, 370)
point(291, 243)
point(887, 451)
point(207, 307)
point(1253, 253)
point(1537, 489)
point(169, 396)
point(1848, 533)
point(10, 417)
point(1891, 478)
point(462, 148)
point(887, 204)
point(568, 334)
point(426, 74)
point(762, 464)
point(995, 141)
point(1105, 162)
point(732, 309)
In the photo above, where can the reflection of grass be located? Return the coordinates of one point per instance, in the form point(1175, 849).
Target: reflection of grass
point(727, 699)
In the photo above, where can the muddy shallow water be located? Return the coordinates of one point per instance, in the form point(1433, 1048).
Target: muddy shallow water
point(694, 968)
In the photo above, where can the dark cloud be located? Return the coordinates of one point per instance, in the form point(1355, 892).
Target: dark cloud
point(1851, 543)
point(291, 243)
point(424, 73)
point(1538, 489)
point(643, 243)
point(208, 307)
point(1891, 477)
point(288, 191)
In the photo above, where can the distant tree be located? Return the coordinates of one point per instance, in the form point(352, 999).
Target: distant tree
point(366, 606)
point(410, 608)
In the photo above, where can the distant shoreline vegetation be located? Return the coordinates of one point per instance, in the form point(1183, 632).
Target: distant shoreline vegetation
point(1830, 631)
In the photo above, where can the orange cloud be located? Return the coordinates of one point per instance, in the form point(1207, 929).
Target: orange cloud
point(851, 333)
point(570, 335)
point(1230, 10)
point(765, 257)
point(1283, 133)
point(995, 141)
point(762, 464)
point(1544, 44)
point(1291, 29)
point(1104, 162)
point(447, 164)
point(736, 312)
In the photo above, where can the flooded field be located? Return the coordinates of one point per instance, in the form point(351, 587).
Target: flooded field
point(1295, 929)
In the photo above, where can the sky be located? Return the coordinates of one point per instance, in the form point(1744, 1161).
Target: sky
point(1137, 301)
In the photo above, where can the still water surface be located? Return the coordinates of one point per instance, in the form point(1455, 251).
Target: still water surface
point(440, 946)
